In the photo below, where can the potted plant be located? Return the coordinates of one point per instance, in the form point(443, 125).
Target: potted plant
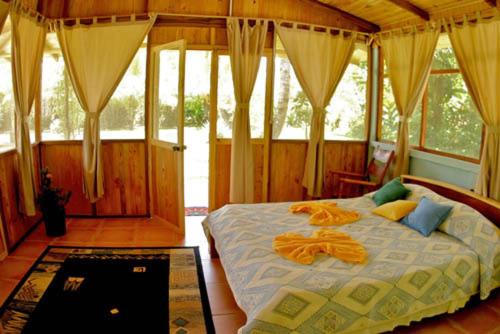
point(52, 202)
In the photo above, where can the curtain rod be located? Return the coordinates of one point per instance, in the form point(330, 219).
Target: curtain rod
point(445, 21)
point(199, 16)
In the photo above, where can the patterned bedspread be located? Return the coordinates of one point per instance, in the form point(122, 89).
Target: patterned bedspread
point(406, 277)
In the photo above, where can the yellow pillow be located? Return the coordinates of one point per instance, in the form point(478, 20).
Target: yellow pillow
point(395, 210)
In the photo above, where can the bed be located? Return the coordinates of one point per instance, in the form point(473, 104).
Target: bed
point(407, 277)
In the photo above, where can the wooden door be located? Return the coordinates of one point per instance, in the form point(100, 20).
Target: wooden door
point(166, 128)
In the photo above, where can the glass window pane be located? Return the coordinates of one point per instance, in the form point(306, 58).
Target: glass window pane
point(345, 117)
point(292, 110)
point(453, 123)
point(62, 116)
point(226, 102)
point(6, 93)
point(123, 116)
point(225, 99)
point(168, 83)
point(444, 58)
point(390, 118)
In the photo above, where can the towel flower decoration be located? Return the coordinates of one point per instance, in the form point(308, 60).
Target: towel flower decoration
point(325, 213)
point(301, 249)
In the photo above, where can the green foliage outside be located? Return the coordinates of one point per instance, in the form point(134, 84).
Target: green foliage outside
point(301, 112)
point(453, 123)
point(196, 109)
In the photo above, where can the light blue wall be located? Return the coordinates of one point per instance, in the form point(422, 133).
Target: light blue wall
point(458, 172)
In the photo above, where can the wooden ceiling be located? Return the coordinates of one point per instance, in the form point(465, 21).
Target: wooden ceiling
point(389, 14)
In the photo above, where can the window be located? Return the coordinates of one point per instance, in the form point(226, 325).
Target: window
point(6, 92)
point(167, 117)
point(446, 122)
point(62, 116)
point(226, 103)
point(123, 116)
point(346, 113)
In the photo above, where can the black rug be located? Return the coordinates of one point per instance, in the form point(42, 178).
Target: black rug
point(111, 290)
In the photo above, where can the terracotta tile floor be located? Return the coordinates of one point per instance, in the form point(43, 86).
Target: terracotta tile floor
point(476, 317)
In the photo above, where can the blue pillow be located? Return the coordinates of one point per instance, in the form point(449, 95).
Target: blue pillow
point(427, 216)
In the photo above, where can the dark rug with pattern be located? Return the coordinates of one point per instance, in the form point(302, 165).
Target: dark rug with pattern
point(196, 211)
point(111, 290)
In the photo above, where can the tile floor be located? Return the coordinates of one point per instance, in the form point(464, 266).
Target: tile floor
point(476, 317)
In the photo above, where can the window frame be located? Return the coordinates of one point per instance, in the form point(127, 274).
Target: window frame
point(423, 125)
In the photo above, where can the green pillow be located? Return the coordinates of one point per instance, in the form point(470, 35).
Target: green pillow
point(392, 191)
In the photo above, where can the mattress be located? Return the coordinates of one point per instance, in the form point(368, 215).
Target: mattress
point(405, 278)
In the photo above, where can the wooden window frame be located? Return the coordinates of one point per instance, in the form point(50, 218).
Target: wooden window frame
point(423, 124)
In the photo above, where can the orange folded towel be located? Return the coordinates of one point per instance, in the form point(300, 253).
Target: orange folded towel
point(325, 213)
point(302, 249)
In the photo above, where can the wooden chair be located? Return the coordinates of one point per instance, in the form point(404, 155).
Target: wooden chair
point(374, 176)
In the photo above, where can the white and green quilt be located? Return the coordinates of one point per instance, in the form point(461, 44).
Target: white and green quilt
point(406, 277)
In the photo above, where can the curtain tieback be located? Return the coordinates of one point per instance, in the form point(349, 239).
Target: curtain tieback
point(93, 115)
point(403, 119)
point(494, 129)
point(243, 105)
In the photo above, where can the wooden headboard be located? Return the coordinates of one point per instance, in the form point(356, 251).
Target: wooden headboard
point(487, 206)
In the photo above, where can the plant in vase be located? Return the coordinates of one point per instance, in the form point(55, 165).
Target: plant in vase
point(52, 202)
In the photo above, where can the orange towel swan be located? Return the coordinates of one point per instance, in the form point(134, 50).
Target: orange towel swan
point(298, 248)
point(325, 213)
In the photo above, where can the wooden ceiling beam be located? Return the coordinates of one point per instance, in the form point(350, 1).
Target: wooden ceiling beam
point(492, 3)
point(362, 23)
point(406, 5)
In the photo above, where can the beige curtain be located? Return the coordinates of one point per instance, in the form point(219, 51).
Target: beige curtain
point(28, 39)
point(319, 59)
point(246, 44)
point(408, 58)
point(4, 12)
point(477, 48)
point(97, 56)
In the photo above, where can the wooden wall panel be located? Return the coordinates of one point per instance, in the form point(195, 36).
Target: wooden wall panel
point(15, 225)
point(124, 179)
point(124, 176)
point(167, 34)
point(198, 7)
point(344, 156)
point(64, 160)
point(88, 8)
point(164, 183)
point(287, 167)
point(287, 170)
point(293, 10)
point(223, 173)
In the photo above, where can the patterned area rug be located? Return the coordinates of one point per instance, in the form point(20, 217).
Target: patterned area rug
point(115, 290)
point(196, 211)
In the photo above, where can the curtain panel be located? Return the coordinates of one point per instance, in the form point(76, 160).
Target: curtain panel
point(97, 56)
point(477, 48)
point(319, 60)
point(4, 12)
point(246, 45)
point(408, 58)
point(28, 40)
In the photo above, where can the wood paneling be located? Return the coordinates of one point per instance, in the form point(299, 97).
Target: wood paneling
point(164, 181)
point(287, 170)
point(293, 10)
point(288, 160)
point(88, 8)
point(124, 179)
point(15, 225)
point(223, 173)
point(124, 176)
point(343, 156)
point(64, 160)
point(199, 7)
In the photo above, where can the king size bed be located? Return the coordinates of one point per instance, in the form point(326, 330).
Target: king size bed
point(405, 278)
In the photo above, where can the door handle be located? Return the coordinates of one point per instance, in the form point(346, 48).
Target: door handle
point(178, 148)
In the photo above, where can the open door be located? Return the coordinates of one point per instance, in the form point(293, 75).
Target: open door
point(166, 129)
